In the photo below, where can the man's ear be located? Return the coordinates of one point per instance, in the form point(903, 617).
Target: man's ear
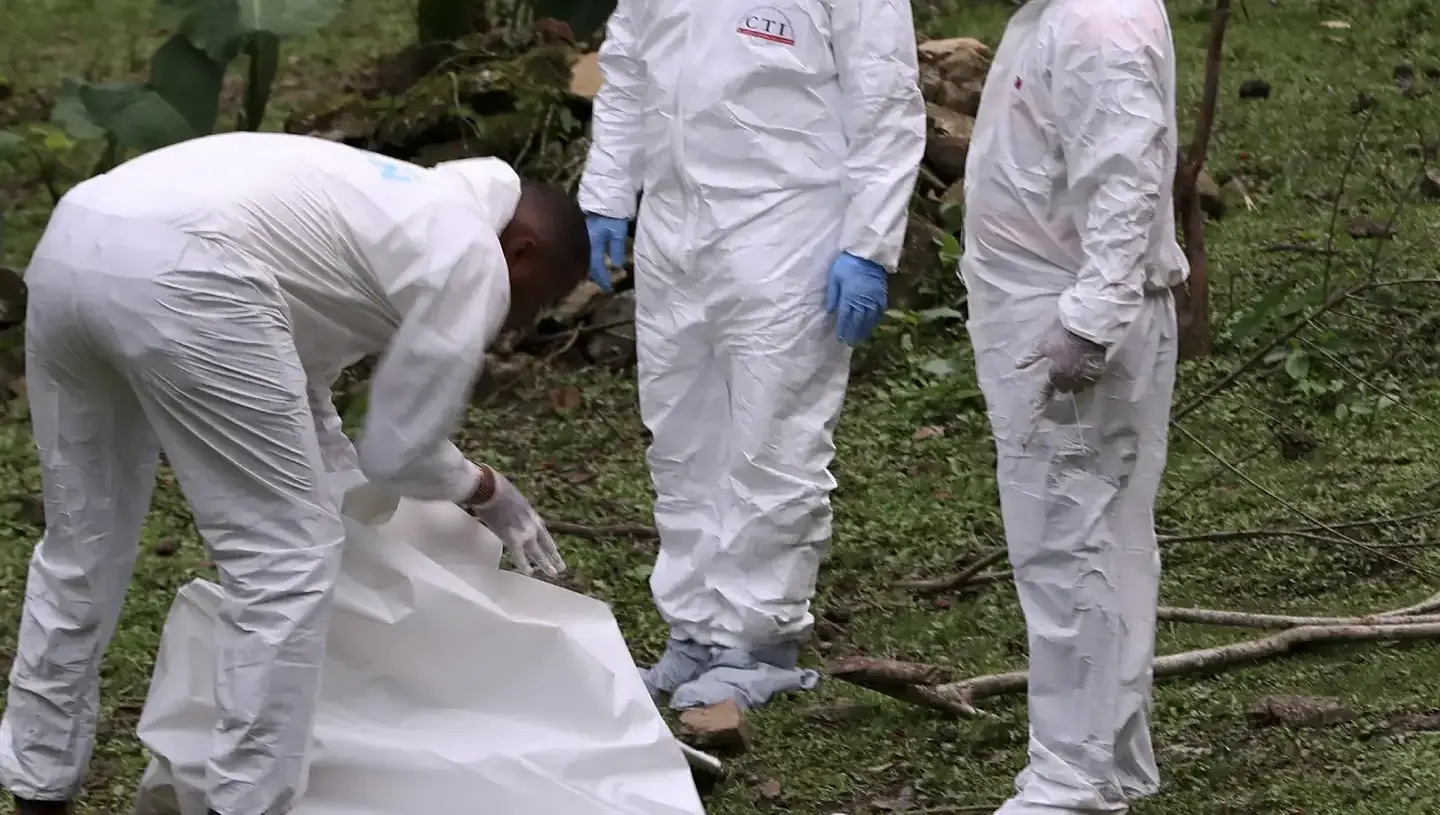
point(523, 245)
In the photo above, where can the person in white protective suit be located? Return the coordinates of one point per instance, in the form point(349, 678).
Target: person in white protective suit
point(1070, 254)
point(776, 145)
point(201, 299)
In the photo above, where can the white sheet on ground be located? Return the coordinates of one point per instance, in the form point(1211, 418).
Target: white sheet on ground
point(449, 686)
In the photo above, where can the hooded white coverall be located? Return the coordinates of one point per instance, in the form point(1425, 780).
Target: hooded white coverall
point(1069, 216)
point(203, 298)
point(768, 137)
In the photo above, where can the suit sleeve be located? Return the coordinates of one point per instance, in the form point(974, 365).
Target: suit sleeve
point(453, 306)
point(611, 181)
point(884, 117)
point(1111, 115)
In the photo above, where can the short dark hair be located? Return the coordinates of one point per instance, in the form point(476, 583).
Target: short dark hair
point(563, 223)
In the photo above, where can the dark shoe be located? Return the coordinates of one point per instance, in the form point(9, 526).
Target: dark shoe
point(24, 807)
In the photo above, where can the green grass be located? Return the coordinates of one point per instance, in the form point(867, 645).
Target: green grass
point(910, 506)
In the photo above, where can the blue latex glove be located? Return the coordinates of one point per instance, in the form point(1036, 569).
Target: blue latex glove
point(856, 296)
point(607, 237)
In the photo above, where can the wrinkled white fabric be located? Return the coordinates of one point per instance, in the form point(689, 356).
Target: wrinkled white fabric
point(1069, 217)
point(767, 139)
point(448, 687)
point(200, 299)
point(373, 255)
point(139, 336)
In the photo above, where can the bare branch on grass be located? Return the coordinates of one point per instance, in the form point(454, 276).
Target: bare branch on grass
point(1246, 619)
point(963, 579)
point(959, 698)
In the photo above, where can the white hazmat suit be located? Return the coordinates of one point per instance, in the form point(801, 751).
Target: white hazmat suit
point(204, 297)
point(1069, 217)
point(769, 139)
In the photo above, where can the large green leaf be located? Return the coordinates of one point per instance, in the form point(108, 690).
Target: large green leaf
point(288, 18)
point(10, 142)
point(189, 81)
point(585, 17)
point(139, 118)
point(70, 113)
point(219, 27)
point(180, 101)
point(213, 26)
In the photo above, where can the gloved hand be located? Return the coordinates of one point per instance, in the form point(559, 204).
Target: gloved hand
point(1075, 362)
point(607, 237)
point(518, 526)
point(855, 294)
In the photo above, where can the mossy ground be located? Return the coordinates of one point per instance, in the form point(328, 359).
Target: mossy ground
point(910, 503)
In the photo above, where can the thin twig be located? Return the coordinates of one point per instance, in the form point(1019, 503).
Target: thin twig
point(582, 330)
point(1292, 507)
point(1350, 372)
point(1331, 302)
point(1301, 248)
point(1340, 196)
point(1251, 534)
point(959, 580)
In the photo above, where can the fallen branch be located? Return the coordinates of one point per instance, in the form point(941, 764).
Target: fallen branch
point(974, 575)
point(965, 578)
point(1245, 619)
point(958, 698)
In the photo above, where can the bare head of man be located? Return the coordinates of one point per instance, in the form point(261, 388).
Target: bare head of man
point(546, 248)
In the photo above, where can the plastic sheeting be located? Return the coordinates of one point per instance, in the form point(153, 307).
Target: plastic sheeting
point(448, 686)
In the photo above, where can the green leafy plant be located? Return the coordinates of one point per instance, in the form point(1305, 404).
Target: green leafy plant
point(1316, 372)
point(952, 222)
point(180, 99)
point(41, 150)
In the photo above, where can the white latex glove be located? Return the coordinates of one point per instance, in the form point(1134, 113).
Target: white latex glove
point(519, 527)
point(1075, 362)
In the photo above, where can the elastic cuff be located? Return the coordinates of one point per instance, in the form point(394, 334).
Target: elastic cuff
point(466, 481)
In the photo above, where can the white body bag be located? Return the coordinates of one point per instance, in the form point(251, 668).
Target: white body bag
point(448, 686)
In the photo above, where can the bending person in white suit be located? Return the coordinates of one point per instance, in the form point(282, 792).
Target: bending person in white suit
point(1070, 255)
point(777, 147)
point(202, 299)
